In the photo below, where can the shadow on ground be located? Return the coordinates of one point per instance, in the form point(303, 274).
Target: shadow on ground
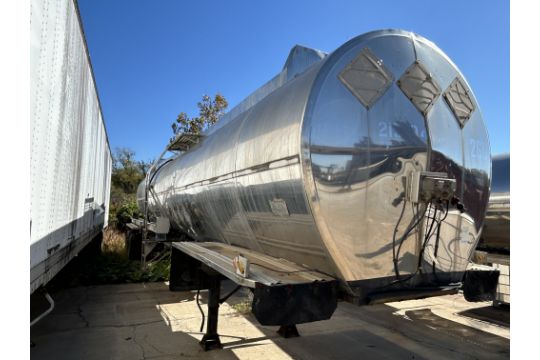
point(146, 321)
point(499, 315)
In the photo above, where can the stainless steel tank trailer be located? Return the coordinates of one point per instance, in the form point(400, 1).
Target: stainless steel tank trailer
point(494, 245)
point(362, 174)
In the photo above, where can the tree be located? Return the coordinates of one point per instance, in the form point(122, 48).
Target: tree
point(127, 174)
point(209, 113)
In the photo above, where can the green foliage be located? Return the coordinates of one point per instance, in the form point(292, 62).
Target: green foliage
point(243, 307)
point(113, 266)
point(110, 266)
point(116, 268)
point(158, 270)
point(209, 113)
point(127, 174)
point(126, 211)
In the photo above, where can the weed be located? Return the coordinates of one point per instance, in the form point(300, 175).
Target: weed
point(114, 241)
point(111, 266)
point(243, 307)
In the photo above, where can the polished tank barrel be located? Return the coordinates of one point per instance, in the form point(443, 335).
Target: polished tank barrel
point(496, 232)
point(314, 166)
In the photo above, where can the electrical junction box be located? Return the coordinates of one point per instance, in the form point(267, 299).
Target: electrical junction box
point(425, 186)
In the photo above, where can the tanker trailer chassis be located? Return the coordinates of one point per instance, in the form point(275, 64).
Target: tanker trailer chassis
point(284, 293)
point(371, 164)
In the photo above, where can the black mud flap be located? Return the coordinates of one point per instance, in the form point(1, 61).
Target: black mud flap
point(294, 304)
point(480, 285)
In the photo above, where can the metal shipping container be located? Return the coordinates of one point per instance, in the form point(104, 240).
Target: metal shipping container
point(70, 157)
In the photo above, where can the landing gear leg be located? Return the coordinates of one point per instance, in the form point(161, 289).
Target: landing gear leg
point(288, 331)
point(210, 340)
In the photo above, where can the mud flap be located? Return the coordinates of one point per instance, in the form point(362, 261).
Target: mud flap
point(480, 285)
point(294, 304)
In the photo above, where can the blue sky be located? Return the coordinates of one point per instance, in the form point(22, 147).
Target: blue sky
point(154, 59)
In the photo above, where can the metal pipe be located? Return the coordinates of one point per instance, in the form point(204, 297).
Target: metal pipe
point(147, 180)
point(51, 308)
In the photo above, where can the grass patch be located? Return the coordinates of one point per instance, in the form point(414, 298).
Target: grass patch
point(114, 241)
point(110, 266)
point(243, 307)
point(114, 266)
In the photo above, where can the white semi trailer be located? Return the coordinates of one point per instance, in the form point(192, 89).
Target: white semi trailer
point(70, 157)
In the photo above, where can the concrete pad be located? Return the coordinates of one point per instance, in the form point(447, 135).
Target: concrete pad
point(146, 321)
point(452, 307)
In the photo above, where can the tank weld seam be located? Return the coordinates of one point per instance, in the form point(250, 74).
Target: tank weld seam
point(247, 171)
point(291, 248)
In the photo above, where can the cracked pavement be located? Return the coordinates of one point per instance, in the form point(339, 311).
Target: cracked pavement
point(147, 321)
